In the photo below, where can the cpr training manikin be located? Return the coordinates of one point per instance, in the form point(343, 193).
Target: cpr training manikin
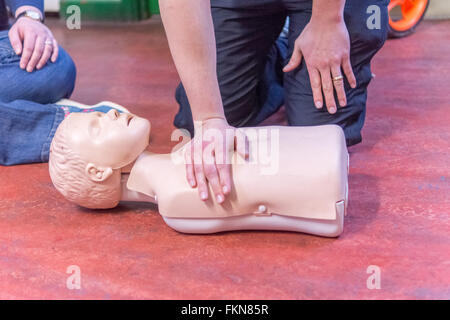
point(294, 180)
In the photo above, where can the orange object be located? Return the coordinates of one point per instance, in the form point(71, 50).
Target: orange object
point(402, 22)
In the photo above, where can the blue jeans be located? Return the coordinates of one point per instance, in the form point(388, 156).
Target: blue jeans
point(29, 116)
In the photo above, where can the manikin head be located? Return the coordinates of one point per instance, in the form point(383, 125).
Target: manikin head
point(89, 151)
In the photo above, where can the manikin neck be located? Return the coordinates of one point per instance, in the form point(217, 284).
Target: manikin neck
point(135, 183)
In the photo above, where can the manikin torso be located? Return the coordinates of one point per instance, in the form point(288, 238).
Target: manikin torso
point(295, 179)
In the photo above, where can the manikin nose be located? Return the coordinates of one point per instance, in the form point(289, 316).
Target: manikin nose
point(113, 114)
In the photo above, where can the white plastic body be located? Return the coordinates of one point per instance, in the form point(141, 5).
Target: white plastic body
point(324, 228)
point(308, 194)
point(275, 222)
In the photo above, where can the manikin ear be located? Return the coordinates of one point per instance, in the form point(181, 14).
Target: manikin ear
point(98, 174)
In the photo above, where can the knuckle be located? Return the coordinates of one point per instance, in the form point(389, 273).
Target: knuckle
point(335, 59)
point(320, 64)
point(201, 181)
point(209, 171)
point(339, 84)
point(313, 62)
point(198, 169)
point(220, 166)
point(326, 87)
point(350, 74)
point(27, 52)
point(346, 68)
point(323, 64)
point(223, 168)
point(315, 84)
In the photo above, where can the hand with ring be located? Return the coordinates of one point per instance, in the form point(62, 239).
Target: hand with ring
point(34, 41)
point(325, 46)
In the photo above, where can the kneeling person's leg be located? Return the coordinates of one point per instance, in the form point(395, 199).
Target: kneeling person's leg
point(53, 82)
point(364, 44)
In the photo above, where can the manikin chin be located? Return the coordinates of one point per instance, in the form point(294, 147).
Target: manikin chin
point(98, 160)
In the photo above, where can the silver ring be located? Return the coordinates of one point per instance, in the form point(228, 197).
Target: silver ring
point(48, 42)
point(338, 78)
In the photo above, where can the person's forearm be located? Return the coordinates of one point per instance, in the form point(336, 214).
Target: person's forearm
point(331, 11)
point(190, 33)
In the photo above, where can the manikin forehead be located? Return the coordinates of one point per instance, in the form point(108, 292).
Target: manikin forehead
point(106, 151)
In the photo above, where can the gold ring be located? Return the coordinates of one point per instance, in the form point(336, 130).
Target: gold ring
point(338, 78)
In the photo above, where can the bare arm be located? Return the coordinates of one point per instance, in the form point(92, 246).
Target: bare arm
point(190, 33)
point(328, 9)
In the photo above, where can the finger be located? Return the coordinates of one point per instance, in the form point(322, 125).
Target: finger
point(197, 157)
point(212, 175)
point(339, 85)
point(48, 49)
point(55, 50)
point(39, 47)
point(348, 71)
point(28, 48)
point(201, 181)
point(14, 38)
point(316, 86)
point(222, 158)
point(295, 60)
point(242, 144)
point(190, 173)
point(225, 177)
point(328, 92)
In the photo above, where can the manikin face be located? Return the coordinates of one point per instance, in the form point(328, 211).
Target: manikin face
point(109, 139)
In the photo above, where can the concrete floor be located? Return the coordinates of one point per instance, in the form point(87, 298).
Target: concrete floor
point(398, 212)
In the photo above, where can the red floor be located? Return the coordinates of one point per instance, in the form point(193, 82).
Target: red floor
point(399, 195)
